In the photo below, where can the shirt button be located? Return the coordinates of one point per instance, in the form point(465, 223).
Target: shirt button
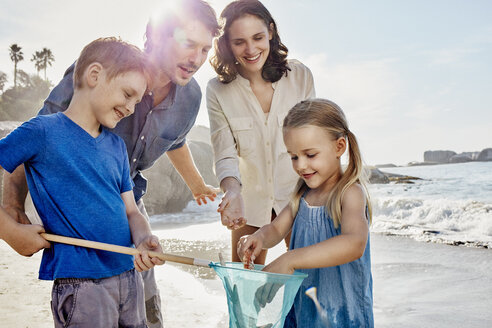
point(134, 160)
point(268, 144)
point(150, 112)
point(266, 123)
point(142, 137)
point(269, 162)
point(270, 180)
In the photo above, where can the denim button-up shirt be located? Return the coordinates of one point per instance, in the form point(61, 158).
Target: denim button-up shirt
point(150, 131)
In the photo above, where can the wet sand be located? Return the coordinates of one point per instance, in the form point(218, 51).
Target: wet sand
point(415, 284)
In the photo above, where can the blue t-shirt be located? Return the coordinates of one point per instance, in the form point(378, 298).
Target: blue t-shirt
point(76, 182)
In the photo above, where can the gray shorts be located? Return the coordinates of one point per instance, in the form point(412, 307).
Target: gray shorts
point(116, 301)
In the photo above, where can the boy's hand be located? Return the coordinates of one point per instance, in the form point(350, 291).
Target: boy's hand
point(143, 261)
point(25, 239)
point(231, 210)
point(206, 191)
point(248, 247)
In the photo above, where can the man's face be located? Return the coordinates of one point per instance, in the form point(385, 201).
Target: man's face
point(183, 53)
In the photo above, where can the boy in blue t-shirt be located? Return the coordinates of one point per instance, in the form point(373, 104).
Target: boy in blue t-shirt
point(78, 175)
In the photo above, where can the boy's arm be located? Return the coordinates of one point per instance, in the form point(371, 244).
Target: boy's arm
point(183, 163)
point(15, 193)
point(141, 235)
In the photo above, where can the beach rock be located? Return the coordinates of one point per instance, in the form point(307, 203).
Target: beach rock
point(472, 154)
point(422, 163)
point(379, 166)
point(376, 176)
point(439, 156)
point(460, 158)
point(167, 191)
point(485, 155)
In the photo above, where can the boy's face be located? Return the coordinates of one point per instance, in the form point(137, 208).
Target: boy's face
point(182, 54)
point(116, 98)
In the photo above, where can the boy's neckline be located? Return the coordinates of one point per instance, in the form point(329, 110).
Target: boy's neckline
point(84, 131)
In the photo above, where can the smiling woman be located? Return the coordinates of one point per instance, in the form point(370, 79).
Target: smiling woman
point(255, 87)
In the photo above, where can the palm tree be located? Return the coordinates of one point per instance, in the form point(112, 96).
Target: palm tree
point(48, 58)
point(3, 80)
point(16, 55)
point(37, 58)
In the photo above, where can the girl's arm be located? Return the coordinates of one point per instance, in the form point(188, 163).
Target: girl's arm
point(267, 236)
point(347, 247)
point(141, 235)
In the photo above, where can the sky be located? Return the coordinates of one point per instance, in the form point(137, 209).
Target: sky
point(411, 76)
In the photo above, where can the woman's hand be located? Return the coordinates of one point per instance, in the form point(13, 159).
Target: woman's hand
point(231, 210)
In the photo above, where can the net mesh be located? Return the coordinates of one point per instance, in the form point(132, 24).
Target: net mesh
point(256, 298)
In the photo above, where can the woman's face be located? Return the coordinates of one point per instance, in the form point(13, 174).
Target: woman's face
point(249, 41)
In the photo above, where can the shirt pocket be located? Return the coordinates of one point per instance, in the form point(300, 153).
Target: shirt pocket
point(242, 130)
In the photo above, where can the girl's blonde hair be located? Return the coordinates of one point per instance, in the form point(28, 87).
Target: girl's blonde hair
point(329, 116)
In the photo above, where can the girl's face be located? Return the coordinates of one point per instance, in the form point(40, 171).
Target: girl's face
point(315, 155)
point(249, 41)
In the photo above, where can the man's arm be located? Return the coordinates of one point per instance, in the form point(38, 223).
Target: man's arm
point(14, 194)
point(183, 163)
point(24, 239)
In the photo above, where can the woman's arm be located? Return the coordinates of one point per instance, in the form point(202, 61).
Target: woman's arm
point(226, 164)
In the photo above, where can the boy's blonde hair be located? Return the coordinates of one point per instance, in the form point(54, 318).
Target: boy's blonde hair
point(116, 56)
point(327, 115)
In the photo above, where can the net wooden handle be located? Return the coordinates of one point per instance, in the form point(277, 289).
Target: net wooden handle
point(123, 250)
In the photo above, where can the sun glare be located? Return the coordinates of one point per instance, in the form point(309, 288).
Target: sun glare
point(169, 8)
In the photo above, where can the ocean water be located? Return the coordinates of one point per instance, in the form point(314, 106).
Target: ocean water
point(452, 204)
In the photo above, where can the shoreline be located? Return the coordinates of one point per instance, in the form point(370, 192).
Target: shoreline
point(416, 284)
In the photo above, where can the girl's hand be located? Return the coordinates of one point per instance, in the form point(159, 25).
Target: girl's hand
point(231, 210)
point(248, 247)
point(281, 265)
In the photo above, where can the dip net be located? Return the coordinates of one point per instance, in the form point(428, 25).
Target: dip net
point(257, 299)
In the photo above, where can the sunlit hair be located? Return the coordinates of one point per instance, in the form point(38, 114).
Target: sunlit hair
point(327, 115)
point(173, 14)
point(115, 56)
point(223, 60)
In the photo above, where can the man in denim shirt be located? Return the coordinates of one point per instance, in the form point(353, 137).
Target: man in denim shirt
point(176, 45)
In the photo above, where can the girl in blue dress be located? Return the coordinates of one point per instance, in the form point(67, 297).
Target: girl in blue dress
point(329, 216)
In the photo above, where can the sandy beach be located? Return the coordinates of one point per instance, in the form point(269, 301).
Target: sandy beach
point(416, 284)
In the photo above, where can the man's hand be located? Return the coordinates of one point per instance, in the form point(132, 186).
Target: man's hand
point(231, 210)
point(143, 261)
point(201, 194)
point(26, 239)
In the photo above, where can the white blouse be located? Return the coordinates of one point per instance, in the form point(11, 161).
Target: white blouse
point(249, 146)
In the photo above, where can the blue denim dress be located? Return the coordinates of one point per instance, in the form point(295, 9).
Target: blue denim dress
point(344, 291)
